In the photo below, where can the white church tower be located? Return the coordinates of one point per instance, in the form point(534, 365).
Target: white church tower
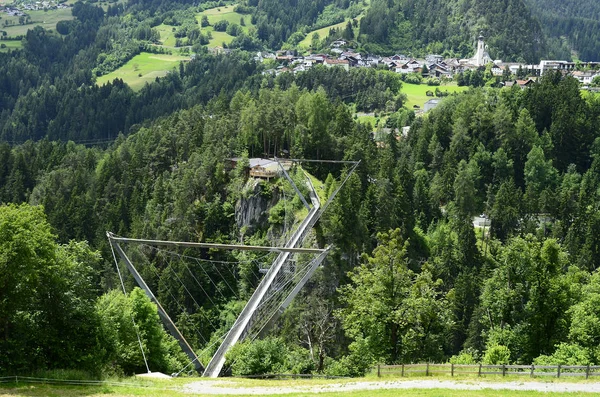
point(482, 57)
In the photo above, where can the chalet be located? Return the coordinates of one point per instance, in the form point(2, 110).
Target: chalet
point(521, 83)
point(585, 78)
point(284, 58)
point(257, 167)
point(496, 70)
point(433, 58)
point(399, 57)
point(412, 66)
point(439, 70)
point(339, 43)
point(337, 62)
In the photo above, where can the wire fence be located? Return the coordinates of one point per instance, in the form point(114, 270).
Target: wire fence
point(76, 382)
point(429, 369)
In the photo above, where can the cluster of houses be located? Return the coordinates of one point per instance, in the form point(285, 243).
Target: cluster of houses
point(431, 66)
point(18, 10)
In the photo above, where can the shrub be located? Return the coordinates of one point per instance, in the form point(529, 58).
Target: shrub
point(462, 358)
point(259, 357)
point(566, 354)
point(221, 26)
point(496, 354)
point(413, 78)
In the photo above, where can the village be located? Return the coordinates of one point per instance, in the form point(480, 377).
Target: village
point(432, 66)
point(20, 8)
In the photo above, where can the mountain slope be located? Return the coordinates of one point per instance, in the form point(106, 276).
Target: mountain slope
point(577, 21)
point(451, 26)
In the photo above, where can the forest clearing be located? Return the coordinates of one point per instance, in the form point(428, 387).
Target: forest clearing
point(143, 68)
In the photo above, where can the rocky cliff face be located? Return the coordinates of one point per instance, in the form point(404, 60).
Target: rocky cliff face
point(252, 210)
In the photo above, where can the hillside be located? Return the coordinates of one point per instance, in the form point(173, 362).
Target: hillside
point(418, 26)
point(576, 21)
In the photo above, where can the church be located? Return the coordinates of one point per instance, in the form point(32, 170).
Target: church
point(481, 57)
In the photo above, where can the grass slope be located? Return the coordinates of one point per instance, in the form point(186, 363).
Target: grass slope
point(143, 68)
point(45, 19)
point(225, 13)
point(167, 36)
point(417, 93)
point(324, 32)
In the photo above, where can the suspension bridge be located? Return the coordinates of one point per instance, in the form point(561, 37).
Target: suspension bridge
point(283, 280)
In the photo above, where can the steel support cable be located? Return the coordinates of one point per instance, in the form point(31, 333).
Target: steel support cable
point(195, 279)
point(183, 309)
point(212, 282)
point(155, 248)
point(253, 260)
point(190, 294)
point(198, 260)
point(137, 331)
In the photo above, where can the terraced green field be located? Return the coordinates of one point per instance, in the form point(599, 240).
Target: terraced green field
point(143, 68)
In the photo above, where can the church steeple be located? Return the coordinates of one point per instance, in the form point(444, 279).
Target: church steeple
point(481, 56)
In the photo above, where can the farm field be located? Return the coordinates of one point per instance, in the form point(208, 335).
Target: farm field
point(46, 19)
point(417, 93)
point(7, 45)
point(143, 68)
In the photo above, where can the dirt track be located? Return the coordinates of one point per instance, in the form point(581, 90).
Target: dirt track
point(224, 387)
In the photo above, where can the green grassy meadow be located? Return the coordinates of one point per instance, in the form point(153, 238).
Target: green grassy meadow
point(417, 93)
point(214, 15)
point(45, 19)
point(10, 45)
point(143, 68)
point(174, 388)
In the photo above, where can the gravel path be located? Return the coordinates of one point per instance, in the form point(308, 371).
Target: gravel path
point(223, 387)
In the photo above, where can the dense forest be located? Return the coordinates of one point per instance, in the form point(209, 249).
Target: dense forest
point(574, 20)
point(409, 278)
point(451, 26)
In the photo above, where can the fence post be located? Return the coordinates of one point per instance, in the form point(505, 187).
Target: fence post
point(532, 369)
point(452, 369)
point(403, 370)
point(558, 371)
point(503, 369)
point(587, 371)
point(379, 370)
point(479, 373)
point(427, 370)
